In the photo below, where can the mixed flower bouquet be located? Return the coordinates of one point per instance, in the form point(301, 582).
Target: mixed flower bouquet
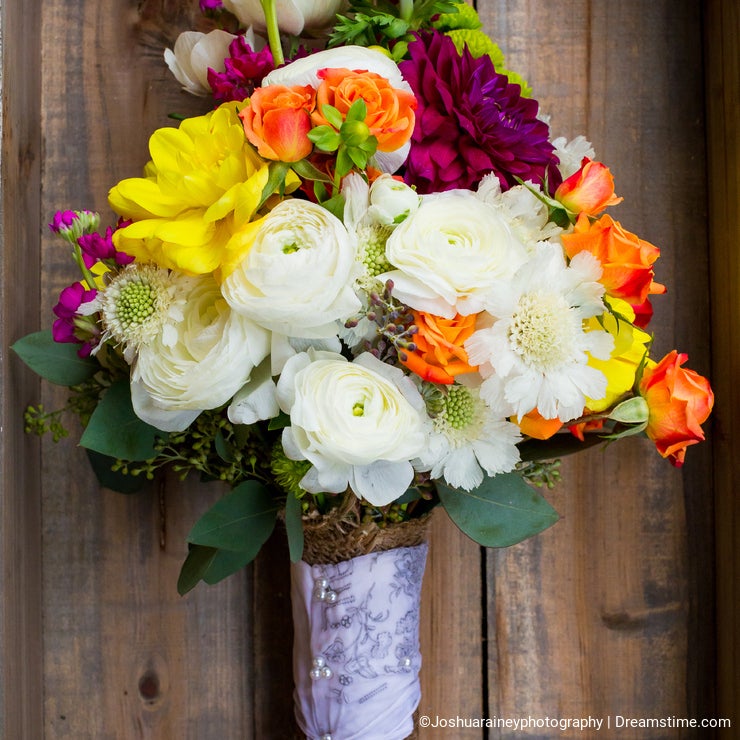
point(366, 283)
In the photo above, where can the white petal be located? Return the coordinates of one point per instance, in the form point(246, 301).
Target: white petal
point(381, 482)
point(165, 419)
point(257, 400)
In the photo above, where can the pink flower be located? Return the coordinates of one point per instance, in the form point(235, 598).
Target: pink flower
point(71, 326)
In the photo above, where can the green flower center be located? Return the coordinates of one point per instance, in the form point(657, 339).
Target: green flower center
point(136, 302)
point(373, 239)
point(459, 408)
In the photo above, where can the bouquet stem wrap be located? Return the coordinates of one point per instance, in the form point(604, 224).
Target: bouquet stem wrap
point(356, 655)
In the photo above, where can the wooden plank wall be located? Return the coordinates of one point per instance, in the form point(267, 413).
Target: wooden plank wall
point(610, 612)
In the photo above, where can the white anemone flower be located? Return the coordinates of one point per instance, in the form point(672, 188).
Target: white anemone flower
point(469, 440)
point(450, 253)
point(359, 423)
point(535, 352)
point(199, 362)
point(294, 16)
point(297, 277)
point(193, 54)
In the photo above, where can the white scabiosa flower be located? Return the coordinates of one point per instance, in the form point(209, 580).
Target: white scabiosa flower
point(535, 352)
point(359, 423)
point(199, 362)
point(193, 54)
point(469, 440)
point(525, 213)
point(449, 254)
point(136, 306)
point(297, 277)
point(571, 153)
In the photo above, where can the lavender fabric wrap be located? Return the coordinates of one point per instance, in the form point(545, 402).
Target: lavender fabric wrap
point(356, 656)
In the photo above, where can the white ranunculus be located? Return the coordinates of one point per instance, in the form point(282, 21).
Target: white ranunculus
point(450, 253)
point(297, 277)
point(199, 363)
point(304, 71)
point(294, 16)
point(193, 54)
point(391, 201)
point(359, 423)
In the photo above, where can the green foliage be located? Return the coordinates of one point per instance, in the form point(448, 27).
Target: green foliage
point(502, 511)
point(380, 23)
point(56, 362)
point(229, 535)
point(115, 430)
point(294, 527)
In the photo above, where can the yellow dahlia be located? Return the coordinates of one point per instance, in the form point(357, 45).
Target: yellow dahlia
point(202, 186)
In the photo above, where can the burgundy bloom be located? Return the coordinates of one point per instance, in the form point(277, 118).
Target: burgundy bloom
point(96, 248)
point(210, 5)
point(471, 121)
point(65, 328)
point(244, 70)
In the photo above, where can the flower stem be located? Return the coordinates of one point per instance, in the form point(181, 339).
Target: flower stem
point(86, 274)
point(273, 31)
point(406, 9)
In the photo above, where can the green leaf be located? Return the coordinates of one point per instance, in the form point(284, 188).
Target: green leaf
point(56, 362)
point(113, 479)
point(224, 450)
point(276, 174)
point(559, 445)
point(294, 527)
point(240, 522)
point(307, 171)
point(357, 111)
point(502, 511)
point(325, 138)
point(115, 430)
point(208, 564)
point(332, 115)
point(280, 421)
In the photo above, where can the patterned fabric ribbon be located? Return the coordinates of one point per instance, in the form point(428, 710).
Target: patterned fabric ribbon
point(356, 656)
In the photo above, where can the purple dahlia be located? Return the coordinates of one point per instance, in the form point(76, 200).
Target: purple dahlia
point(471, 121)
point(244, 70)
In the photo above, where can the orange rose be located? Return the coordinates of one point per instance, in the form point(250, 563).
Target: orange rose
point(627, 260)
point(390, 111)
point(439, 355)
point(590, 190)
point(277, 120)
point(679, 402)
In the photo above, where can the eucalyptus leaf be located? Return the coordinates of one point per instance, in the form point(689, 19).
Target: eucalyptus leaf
point(241, 521)
point(294, 527)
point(502, 511)
point(55, 361)
point(208, 564)
point(115, 430)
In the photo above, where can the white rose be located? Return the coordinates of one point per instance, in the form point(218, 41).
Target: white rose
point(391, 201)
point(294, 16)
point(450, 253)
point(359, 423)
point(193, 54)
point(198, 363)
point(297, 277)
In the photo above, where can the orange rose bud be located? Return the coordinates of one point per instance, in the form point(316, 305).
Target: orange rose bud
point(277, 120)
point(579, 430)
point(679, 402)
point(590, 190)
point(439, 355)
point(390, 111)
point(626, 260)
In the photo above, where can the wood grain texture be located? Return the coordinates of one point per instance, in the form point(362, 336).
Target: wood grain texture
point(21, 668)
point(722, 24)
point(610, 611)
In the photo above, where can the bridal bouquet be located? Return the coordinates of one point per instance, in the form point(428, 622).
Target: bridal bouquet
point(367, 282)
